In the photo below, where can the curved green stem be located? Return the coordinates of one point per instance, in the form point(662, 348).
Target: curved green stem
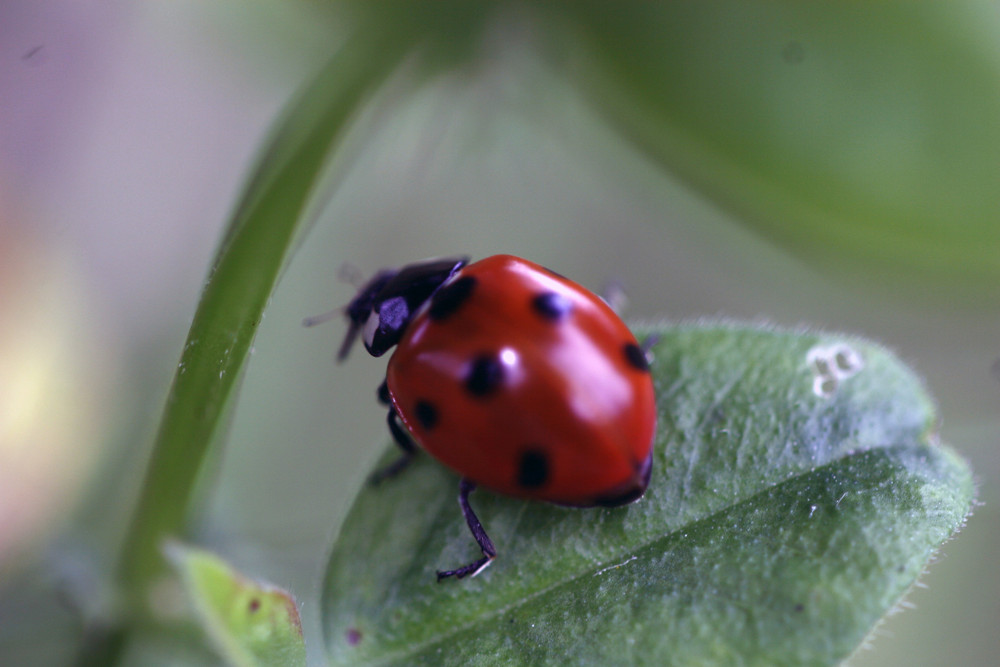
point(251, 256)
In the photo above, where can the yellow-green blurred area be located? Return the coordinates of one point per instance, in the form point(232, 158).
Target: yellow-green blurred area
point(126, 130)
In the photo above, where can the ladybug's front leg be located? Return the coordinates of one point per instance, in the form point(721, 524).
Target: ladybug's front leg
point(399, 436)
point(482, 539)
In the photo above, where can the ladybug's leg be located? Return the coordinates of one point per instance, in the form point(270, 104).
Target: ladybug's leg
point(383, 393)
point(482, 539)
point(613, 294)
point(647, 346)
point(405, 442)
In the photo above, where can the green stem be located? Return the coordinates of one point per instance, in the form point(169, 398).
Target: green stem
point(250, 259)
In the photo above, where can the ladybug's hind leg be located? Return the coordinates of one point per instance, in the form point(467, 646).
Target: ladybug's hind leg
point(647, 346)
point(482, 539)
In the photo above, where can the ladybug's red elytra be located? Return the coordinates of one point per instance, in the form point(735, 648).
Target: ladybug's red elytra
point(514, 377)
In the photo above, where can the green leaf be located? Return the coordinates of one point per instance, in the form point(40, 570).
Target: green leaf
point(250, 624)
point(858, 134)
point(797, 493)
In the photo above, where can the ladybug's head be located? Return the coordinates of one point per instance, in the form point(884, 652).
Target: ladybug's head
point(385, 306)
point(359, 310)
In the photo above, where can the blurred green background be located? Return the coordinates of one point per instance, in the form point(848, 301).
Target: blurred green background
point(125, 133)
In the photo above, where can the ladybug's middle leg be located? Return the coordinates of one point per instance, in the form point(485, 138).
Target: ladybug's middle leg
point(399, 436)
point(482, 539)
point(647, 346)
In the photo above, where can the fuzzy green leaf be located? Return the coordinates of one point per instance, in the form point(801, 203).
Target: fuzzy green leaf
point(251, 624)
point(797, 494)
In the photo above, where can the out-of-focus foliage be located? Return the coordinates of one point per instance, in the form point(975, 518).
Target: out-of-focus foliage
point(251, 624)
point(859, 135)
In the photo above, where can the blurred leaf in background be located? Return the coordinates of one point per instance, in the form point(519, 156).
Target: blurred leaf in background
point(861, 136)
point(250, 624)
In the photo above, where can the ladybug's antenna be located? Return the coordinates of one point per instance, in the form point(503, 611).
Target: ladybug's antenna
point(347, 273)
point(614, 295)
point(323, 317)
point(357, 311)
point(352, 329)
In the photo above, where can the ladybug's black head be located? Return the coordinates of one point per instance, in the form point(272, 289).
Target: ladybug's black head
point(385, 306)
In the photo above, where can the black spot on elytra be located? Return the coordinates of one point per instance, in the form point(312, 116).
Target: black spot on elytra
point(485, 375)
point(532, 469)
point(636, 357)
point(631, 490)
point(450, 298)
point(426, 414)
point(552, 305)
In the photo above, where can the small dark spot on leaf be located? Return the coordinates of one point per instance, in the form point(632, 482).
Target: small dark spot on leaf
point(793, 53)
point(353, 636)
point(822, 365)
point(799, 608)
point(254, 605)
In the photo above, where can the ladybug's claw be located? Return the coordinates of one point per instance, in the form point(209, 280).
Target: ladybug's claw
point(470, 570)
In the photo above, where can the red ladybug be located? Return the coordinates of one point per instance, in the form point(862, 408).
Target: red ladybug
point(512, 376)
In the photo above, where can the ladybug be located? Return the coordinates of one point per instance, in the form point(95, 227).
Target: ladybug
point(513, 376)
